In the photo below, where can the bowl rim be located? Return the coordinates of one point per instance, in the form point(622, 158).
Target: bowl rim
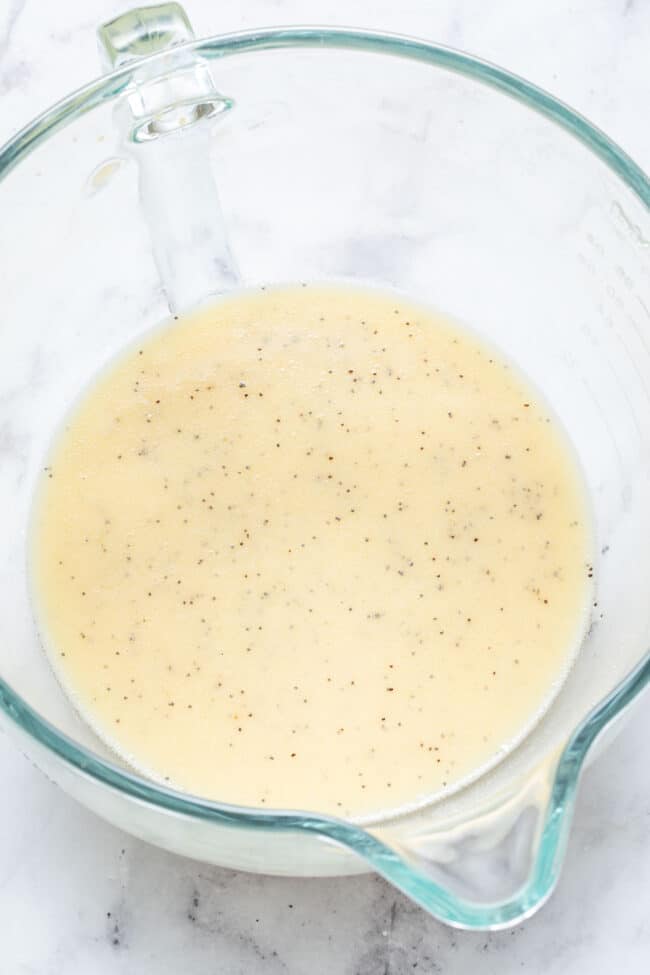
point(432, 896)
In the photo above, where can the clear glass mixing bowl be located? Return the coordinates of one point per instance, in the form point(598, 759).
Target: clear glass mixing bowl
point(302, 154)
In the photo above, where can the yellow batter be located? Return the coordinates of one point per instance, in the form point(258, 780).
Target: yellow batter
point(311, 547)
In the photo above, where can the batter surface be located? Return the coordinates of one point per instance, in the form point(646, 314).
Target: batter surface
point(311, 547)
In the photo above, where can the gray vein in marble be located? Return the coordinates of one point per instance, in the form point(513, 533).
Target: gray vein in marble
point(15, 10)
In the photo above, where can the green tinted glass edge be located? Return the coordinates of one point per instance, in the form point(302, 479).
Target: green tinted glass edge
point(434, 898)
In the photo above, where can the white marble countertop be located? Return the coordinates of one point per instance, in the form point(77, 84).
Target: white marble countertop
point(76, 895)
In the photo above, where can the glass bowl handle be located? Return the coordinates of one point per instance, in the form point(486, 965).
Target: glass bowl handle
point(164, 119)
